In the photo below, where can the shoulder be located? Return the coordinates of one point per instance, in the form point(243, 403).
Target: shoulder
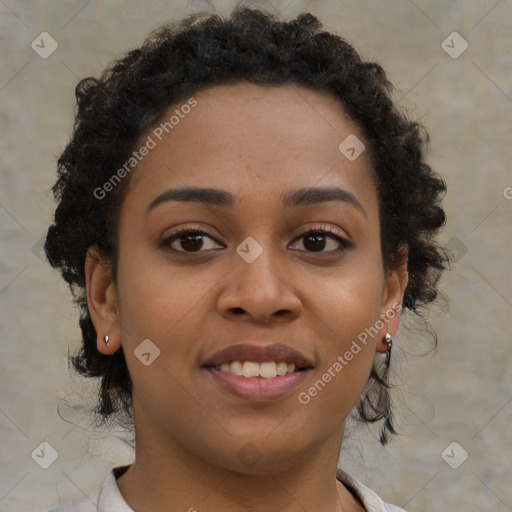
point(371, 500)
point(107, 497)
point(86, 503)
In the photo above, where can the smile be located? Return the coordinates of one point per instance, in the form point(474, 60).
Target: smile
point(258, 373)
point(251, 369)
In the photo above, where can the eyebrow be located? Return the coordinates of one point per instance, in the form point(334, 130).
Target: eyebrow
point(223, 198)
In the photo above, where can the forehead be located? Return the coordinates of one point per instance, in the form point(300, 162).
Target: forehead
point(254, 141)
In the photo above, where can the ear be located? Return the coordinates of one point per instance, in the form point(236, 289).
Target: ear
point(393, 294)
point(102, 301)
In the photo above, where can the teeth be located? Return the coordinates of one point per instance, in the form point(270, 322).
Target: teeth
point(250, 369)
point(268, 370)
point(235, 368)
point(282, 369)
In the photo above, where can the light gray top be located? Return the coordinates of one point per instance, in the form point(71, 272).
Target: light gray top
point(108, 498)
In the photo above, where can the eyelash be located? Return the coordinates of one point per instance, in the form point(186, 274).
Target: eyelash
point(325, 230)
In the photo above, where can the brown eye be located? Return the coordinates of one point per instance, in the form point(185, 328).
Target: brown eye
point(315, 240)
point(192, 242)
point(188, 240)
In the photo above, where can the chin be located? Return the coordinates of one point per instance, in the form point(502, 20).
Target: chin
point(262, 454)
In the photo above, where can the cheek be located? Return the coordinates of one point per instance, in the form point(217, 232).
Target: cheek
point(356, 308)
point(162, 303)
point(345, 310)
point(347, 299)
point(147, 290)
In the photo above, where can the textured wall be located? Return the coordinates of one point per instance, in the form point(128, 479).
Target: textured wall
point(463, 394)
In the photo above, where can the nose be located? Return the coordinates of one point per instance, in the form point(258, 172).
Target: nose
point(262, 291)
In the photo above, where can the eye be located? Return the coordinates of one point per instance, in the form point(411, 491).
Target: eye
point(315, 240)
point(190, 240)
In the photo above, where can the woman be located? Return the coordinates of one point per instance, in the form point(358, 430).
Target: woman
point(242, 215)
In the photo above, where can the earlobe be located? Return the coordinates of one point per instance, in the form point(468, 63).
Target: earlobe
point(102, 301)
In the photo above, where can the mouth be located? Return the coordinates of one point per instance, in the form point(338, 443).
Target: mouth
point(252, 361)
point(258, 373)
point(264, 370)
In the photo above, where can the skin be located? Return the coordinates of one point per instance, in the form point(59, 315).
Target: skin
point(258, 143)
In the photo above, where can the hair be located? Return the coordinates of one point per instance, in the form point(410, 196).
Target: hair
point(202, 51)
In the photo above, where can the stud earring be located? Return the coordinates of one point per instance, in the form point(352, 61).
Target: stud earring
point(106, 338)
point(389, 342)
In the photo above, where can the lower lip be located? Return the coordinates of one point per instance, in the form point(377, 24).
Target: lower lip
point(258, 389)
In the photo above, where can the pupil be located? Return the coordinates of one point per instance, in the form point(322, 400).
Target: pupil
point(192, 242)
point(317, 245)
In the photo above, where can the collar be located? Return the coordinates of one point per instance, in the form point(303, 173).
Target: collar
point(110, 498)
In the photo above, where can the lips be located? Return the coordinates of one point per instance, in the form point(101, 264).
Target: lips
point(265, 387)
point(258, 354)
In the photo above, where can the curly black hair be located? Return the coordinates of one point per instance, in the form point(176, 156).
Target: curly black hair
point(206, 50)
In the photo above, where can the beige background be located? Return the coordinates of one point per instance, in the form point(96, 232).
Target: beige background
point(462, 394)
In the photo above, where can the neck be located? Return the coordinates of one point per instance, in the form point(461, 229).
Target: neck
point(163, 476)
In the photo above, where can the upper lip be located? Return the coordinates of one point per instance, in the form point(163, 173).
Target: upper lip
point(259, 354)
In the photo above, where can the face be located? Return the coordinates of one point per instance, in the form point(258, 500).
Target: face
point(256, 272)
